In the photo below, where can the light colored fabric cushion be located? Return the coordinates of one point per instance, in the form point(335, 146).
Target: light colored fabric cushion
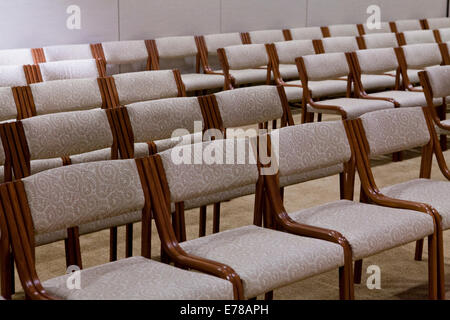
point(266, 259)
point(286, 181)
point(12, 76)
point(8, 109)
point(166, 144)
point(340, 44)
point(309, 33)
point(438, 23)
point(69, 133)
point(145, 85)
point(123, 52)
point(70, 69)
point(419, 36)
point(406, 25)
point(176, 47)
point(377, 61)
point(326, 66)
point(201, 81)
point(406, 98)
point(439, 80)
point(247, 76)
point(343, 30)
point(419, 56)
point(445, 34)
point(78, 194)
point(369, 229)
point(380, 40)
point(158, 119)
point(66, 95)
point(117, 221)
point(138, 278)
point(97, 155)
point(221, 40)
point(377, 82)
point(12, 57)
point(246, 106)
point(389, 131)
point(47, 238)
point(326, 88)
point(68, 52)
point(354, 108)
point(45, 164)
point(266, 36)
point(288, 51)
point(294, 94)
point(288, 71)
point(434, 193)
point(440, 131)
point(247, 56)
point(384, 28)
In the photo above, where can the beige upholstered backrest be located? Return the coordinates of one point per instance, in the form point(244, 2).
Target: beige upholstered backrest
point(439, 77)
point(380, 40)
point(309, 33)
point(326, 66)
point(234, 166)
point(221, 40)
point(69, 133)
point(71, 69)
point(66, 95)
point(438, 23)
point(288, 51)
point(246, 56)
point(406, 25)
point(419, 56)
point(384, 28)
point(158, 119)
point(376, 61)
point(419, 36)
point(340, 44)
point(176, 47)
point(15, 57)
point(73, 195)
point(8, 109)
point(145, 85)
point(246, 106)
point(394, 130)
point(68, 52)
point(343, 30)
point(445, 34)
point(266, 36)
point(12, 76)
point(125, 52)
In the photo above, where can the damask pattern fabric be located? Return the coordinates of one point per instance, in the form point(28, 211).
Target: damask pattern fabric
point(245, 106)
point(326, 88)
point(82, 193)
point(45, 164)
point(354, 108)
point(138, 278)
point(15, 57)
point(8, 110)
point(384, 28)
point(419, 56)
point(380, 40)
point(47, 238)
point(97, 155)
point(145, 85)
point(310, 175)
point(340, 44)
point(246, 76)
point(124, 52)
point(165, 144)
point(266, 36)
point(202, 81)
point(176, 47)
point(221, 40)
point(439, 80)
point(68, 52)
point(124, 219)
point(343, 30)
point(66, 95)
point(407, 98)
point(438, 23)
point(288, 51)
point(369, 229)
point(309, 33)
point(419, 36)
point(294, 94)
point(12, 76)
point(389, 131)
point(71, 69)
point(377, 61)
point(326, 66)
point(377, 81)
point(248, 56)
point(406, 25)
point(69, 133)
point(266, 259)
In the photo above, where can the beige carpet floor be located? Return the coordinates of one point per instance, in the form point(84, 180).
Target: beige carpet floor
point(401, 276)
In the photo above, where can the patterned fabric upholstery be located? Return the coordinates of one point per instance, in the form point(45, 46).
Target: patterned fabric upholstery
point(145, 85)
point(69, 133)
point(12, 76)
point(165, 144)
point(340, 44)
point(343, 30)
point(84, 193)
point(384, 28)
point(125, 52)
point(68, 52)
point(138, 278)
point(176, 47)
point(8, 110)
point(445, 34)
point(71, 69)
point(419, 36)
point(377, 61)
point(354, 108)
point(326, 66)
point(389, 131)
point(439, 80)
point(434, 193)
point(45, 164)
point(117, 221)
point(288, 51)
point(165, 116)
point(221, 40)
point(406, 98)
point(438, 23)
point(66, 95)
point(246, 106)
point(246, 56)
point(369, 229)
point(309, 33)
point(47, 238)
point(406, 25)
point(249, 76)
point(326, 88)
point(294, 94)
point(380, 40)
point(376, 81)
point(290, 180)
point(17, 57)
point(201, 81)
point(97, 155)
point(266, 36)
point(256, 256)
point(419, 56)
point(288, 71)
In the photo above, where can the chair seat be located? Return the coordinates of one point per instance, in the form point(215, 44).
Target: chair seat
point(266, 259)
point(407, 98)
point(377, 81)
point(368, 228)
point(294, 94)
point(288, 71)
point(353, 107)
point(247, 76)
point(327, 88)
point(433, 192)
point(138, 278)
point(443, 131)
point(201, 81)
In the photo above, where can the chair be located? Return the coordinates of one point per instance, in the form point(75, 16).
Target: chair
point(182, 53)
point(245, 64)
point(262, 259)
point(263, 36)
point(15, 57)
point(25, 213)
point(378, 40)
point(306, 33)
point(337, 44)
point(365, 30)
point(384, 132)
point(436, 23)
point(416, 36)
point(14, 76)
point(314, 69)
point(361, 229)
point(405, 25)
point(341, 30)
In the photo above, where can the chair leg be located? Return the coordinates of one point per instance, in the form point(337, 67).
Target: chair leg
point(268, 296)
point(274, 124)
point(319, 117)
point(113, 244)
point(129, 240)
point(440, 266)
point(358, 271)
point(432, 268)
point(6, 272)
point(202, 223)
point(443, 142)
point(397, 156)
point(343, 289)
point(419, 250)
point(216, 218)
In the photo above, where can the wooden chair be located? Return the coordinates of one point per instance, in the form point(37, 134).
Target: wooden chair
point(25, 213)
point(416, 36)
point(365, 30)
point(390, 131)
point(436, 23)
point(400, 26)
point(306, 33)
point(378, 40)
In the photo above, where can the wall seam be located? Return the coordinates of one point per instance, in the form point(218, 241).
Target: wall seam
point(118, 20)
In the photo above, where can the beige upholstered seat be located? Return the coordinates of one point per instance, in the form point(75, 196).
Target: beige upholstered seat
point(71, 69)
point(309, 33)
point(12, 76)
point(266, 36)
point(384, 28)
point(438, 23)
point(407, 25)
point(68, 52)
point(419, 36)
point(138, 278)
point(380, 40)
point(340, 44)
point(406, 98)
point(353, 107)
point(16, 57)
point(343, 30)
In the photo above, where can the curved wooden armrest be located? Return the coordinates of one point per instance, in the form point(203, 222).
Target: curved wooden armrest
point(414, 89)
point(367, 97)
point(210, 71)
point(325, 106)
point(291, 85)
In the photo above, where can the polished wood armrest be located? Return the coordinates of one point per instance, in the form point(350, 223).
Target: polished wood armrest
point(367, 97)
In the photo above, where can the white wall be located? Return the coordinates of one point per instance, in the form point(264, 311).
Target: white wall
point(36, 23)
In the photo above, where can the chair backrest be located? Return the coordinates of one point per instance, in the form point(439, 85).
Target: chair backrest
point(68, 52)
point(309, 33)
point(16, 57)
point(266, 36)
point(406, 25)
point(173, 52)
point(384, 28)
point(8, 104)
point(437, 23)
point(13, 76)
point(131, 56)
point(71, 69)
point(338, 44)
point(248, 56)
point(288, 51)
point(437, 81)
point(343, 30)
point(394, 130)
point(419, 56)
point(376, 61)
point(323, 66)
point(221, 40)
point(380, 40)
point(444, 34)
point(417, 36)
